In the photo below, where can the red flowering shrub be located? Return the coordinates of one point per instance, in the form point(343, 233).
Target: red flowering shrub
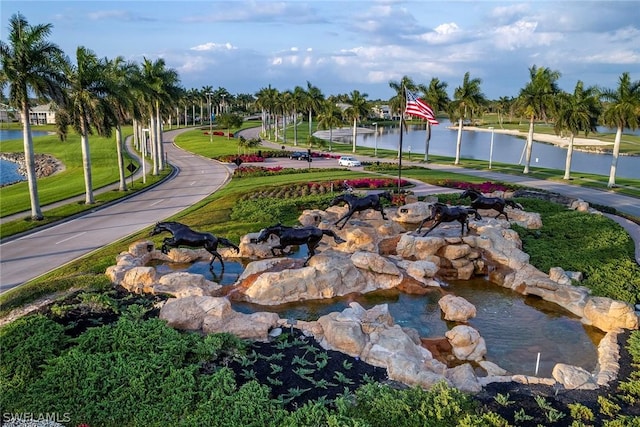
point(244, 171)
point(244, 157)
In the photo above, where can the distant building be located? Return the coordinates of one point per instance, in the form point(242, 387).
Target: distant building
point(8, 114)
point(42, 115)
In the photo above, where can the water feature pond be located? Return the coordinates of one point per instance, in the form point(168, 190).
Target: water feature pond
point(516, 328)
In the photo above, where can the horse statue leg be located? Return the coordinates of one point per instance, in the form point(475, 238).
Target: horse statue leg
point(336, 238)
point(381, 209)
point(166, 243)
point(437, 223)
point(429, 218)
point(346, 218)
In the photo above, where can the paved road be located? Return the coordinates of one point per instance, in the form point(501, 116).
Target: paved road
point(35, 254)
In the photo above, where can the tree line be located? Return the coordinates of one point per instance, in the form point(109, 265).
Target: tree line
point(100, 95)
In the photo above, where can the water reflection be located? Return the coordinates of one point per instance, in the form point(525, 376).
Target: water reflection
point(516, 328)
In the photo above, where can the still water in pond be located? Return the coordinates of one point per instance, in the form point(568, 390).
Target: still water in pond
point(514, 327)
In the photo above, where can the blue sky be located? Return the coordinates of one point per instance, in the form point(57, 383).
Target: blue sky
point(340, 46)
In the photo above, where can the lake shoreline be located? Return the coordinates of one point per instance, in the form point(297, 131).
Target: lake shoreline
point(46, 165)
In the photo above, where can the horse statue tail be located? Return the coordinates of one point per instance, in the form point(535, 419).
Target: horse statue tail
point(514, 204)
point(228, 243)
point(331, 233)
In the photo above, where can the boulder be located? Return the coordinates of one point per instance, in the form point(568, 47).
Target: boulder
point(573, 377)
point(609, 315)
point(456, 309)
point(182, 284)
point(188, 313)
point(466, 342)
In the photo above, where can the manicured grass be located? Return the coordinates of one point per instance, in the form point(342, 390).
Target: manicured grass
point(70, 182)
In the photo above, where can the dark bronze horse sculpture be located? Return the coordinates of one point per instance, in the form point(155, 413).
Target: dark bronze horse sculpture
point(308, 235)
point(442, 213)
point(479, 201)
point(359, 204)
point(182, 235)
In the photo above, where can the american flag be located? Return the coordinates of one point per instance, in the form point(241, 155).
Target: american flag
point(417, 107)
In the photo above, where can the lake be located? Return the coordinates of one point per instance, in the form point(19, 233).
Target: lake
point(506, 149)
point(9, 170)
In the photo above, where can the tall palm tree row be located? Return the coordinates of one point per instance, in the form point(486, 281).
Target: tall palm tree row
point(30, 63)
point(436, 96)
point(357, 109)
point(468, 101)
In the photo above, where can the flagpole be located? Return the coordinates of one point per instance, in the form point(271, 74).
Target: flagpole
point(400, 142)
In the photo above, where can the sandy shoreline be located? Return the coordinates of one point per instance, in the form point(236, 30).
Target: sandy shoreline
point(542, 137)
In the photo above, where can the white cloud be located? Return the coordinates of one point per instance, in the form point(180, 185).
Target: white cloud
point(523, 34)
point(211, 46)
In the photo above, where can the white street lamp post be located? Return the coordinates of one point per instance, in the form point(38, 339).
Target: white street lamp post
point(491, 148)
point(375, 150)
point(210, 121)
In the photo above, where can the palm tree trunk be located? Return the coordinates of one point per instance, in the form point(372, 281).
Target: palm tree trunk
point(614, 160)
point(295, 128)
point(458, 142)
point(567, 166)
point(355, 133)
point(30, 162)
point(310, 122)
point(159, 133)
point(123, 181)
point(86, 165)
point(426, 144)
point(154, 145)
point(527, 160)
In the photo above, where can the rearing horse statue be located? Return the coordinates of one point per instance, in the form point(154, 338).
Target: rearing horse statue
point(297, 236)
point(359, 204)
point(182, 235)
point(480, 201)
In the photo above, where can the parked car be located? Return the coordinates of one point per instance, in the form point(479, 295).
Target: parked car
point(349, 161)
point(299, 155)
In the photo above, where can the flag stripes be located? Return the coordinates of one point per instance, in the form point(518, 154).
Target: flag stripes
point(417, 107)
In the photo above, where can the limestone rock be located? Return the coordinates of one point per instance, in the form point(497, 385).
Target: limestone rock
point(139, 279)
point(182, 284)
point(415, 247)
point(412, 213)
point(573, 377)
point(466, 342)
point(456, 309)
point(188, 313)
point(464, 379)
point(609, 315)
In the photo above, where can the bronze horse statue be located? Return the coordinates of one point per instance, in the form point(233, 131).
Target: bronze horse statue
point(442, 213)
point(182, 235)
point(359, 204)
point(309, 235)
point(480, 201)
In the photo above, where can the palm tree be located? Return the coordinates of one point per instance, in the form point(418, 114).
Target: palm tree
point(468, 99)
point(575, 113)
point(536, 99)
point(314, 100)
point(622, 110)
point(87, 105)
point(30, 63)
point(266, 100)
point(122, 73)
point(330, 116)
point(358, 108)
point(161, 90)
point(298, 98)
point(502, 105)
point(436, 96)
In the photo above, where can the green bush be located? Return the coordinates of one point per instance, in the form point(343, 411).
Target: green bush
point(27, 344)
point(283, 209)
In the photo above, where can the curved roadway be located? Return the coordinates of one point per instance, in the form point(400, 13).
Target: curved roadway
point(33, 255)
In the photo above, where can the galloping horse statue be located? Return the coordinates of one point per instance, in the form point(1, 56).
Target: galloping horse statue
point(308, 235)
point(359, 204)
point(182, 235)
point(442, 213)
point(479, 201)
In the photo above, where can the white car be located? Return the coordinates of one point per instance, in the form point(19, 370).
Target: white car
point(349, 161)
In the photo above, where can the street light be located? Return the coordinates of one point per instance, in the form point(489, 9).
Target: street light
point(210, 121)
point(491, 147)
point(375, 150)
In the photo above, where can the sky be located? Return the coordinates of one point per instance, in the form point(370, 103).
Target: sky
point(341, 46)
